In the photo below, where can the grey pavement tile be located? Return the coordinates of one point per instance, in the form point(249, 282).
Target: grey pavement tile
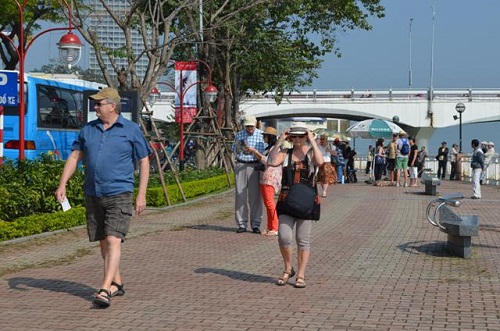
point(376, 264)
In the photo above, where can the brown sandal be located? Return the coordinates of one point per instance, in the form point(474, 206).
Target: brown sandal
point(300, 282)
point(286, 276)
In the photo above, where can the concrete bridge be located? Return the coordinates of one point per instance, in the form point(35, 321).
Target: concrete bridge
point(419, 112)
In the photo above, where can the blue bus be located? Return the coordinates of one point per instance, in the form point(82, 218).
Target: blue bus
point(56, 109)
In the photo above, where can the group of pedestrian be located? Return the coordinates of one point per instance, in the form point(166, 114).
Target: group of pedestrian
point(444, 155)
point(392, 161)
point(112, 148)
point(400, 160)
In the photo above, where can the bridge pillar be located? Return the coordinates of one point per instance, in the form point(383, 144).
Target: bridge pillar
point(421, 135)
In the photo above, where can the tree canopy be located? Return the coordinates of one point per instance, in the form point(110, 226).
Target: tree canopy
point(257, 45)
point(32, 14)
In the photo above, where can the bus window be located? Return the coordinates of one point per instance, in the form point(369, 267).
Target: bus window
point(59, 108)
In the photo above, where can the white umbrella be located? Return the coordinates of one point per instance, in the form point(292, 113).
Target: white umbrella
point(372, 129)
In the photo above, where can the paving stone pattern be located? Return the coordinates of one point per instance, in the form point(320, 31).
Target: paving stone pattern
point(376, 264)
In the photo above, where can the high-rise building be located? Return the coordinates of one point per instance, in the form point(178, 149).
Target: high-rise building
point(111, 36)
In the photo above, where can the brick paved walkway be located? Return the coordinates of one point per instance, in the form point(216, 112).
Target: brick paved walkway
point(376, 264)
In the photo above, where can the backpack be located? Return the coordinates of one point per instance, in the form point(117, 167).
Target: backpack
point(405, 148)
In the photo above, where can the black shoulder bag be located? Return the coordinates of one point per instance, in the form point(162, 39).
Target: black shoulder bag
point(300, 200)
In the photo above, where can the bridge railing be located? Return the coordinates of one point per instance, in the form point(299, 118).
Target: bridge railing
point(373, 95)
point(492, 172)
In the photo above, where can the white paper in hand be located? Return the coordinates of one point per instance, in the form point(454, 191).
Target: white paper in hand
point(65, 205)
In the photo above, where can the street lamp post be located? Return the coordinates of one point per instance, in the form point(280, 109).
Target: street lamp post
point(431, 88)
point(410, 78)
point(209, 92)
point(460, 108)
point(69, 50)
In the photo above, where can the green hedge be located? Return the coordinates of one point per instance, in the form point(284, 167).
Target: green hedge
point(27, 187)
point(156, 198)
point(36, 224)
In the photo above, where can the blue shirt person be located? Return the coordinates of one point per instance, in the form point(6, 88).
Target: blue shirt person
point(110, 148)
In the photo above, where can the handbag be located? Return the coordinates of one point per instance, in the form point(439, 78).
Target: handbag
point(300, 200)
point(379, 159)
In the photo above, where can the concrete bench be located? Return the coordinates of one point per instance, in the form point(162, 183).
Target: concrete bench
point(430, 183)
point(459, 229)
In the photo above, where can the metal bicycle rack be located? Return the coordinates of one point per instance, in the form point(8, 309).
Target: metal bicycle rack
point(434, 206)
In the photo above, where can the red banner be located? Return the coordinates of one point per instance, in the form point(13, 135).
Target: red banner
point(186, 80)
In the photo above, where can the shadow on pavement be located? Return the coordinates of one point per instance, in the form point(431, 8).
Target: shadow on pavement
point(212, 227)
point(437, 248)
point(238, 275)
point(55, 285)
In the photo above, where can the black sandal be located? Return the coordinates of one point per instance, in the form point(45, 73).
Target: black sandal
point(102, 298)
point(119, 292)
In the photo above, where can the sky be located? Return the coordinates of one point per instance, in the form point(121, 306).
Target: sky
point(465, 49)
point(466, 54)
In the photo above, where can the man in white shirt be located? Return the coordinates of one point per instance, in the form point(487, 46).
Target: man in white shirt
point(488, 158)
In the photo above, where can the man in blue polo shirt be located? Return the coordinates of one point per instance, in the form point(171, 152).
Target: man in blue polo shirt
point(110, 147)
point(248, 200)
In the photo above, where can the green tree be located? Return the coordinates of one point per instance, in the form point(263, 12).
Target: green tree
point(10, 27)
point(276, 46)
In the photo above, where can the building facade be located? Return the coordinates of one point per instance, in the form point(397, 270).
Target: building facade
point(111, 36)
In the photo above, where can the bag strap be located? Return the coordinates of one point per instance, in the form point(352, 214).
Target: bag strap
point(289, 173)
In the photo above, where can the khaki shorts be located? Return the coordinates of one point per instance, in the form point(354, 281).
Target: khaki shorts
point(108, 216)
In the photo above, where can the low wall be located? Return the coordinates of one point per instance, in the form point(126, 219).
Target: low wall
point(492, 173)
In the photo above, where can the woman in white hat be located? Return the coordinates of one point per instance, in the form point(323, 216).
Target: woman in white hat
point(305, 157)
